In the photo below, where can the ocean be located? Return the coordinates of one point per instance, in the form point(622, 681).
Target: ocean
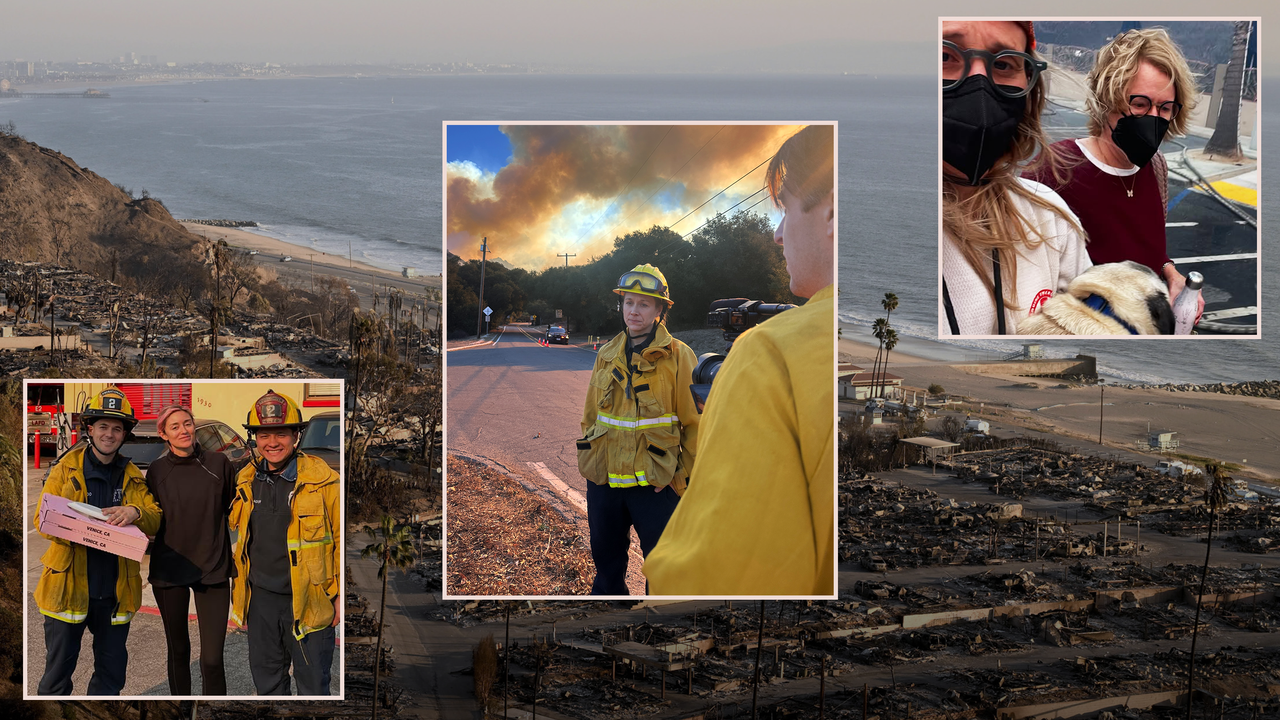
point(332, 162)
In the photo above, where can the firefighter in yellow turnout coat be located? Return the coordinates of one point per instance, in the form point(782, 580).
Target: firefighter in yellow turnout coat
point(759, 517)
point(287, 520)
point(81, 587)
point(640, 430)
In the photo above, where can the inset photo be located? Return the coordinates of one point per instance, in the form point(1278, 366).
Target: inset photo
point(186, 539)
point(1099, 178)
point(640, 371)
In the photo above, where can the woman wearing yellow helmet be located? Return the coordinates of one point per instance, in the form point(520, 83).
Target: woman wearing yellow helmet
point(640, 429)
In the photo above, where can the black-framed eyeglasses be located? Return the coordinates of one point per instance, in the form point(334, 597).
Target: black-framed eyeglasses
point(1013, 73)
point(1142, 105)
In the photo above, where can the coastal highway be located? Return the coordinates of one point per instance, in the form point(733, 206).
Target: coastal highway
point(519, 404)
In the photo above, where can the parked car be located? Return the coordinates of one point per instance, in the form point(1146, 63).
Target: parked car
point(147, 446)
point(558, 334)
point(287, 258)
point(323, 438)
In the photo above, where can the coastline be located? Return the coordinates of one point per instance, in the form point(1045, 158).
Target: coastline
point(1229, 428)
point(364, 279)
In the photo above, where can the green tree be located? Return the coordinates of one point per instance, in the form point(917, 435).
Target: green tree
point(395, 550)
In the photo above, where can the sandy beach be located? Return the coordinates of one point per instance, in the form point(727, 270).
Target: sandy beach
point(1225, 427)
point(363, 278)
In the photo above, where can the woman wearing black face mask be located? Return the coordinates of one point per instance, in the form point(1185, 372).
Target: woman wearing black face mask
point(1141, 91)
point(1008, 243)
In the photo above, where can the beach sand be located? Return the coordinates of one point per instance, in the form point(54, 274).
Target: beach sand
point(303, 256)
point(1225, 427)
point(364, 279)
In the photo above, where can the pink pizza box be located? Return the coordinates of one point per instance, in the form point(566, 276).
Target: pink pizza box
point(59, 520)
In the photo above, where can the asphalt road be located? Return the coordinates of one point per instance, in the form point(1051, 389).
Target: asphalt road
point(427, 653)
point(516, 402)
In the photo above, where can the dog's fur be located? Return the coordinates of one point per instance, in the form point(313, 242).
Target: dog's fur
point(1134, 292)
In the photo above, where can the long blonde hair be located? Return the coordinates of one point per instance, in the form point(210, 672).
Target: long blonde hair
point(988, 218)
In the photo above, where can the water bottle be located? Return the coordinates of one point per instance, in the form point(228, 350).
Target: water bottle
point(1184, 308)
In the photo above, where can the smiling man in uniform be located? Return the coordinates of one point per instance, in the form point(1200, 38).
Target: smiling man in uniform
point(288, 522)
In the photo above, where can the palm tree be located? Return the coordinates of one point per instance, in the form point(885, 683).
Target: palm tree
point(1216, 496)
point(890, 341)
point(395, 550)
point(889, 303)
point(1226, 141)
point(878, 329)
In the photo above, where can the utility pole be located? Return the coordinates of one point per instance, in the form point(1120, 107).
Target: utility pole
point(566, 257)
point(484, 248)
point(1101, 396)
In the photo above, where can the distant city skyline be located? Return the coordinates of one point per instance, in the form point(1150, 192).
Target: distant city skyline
point(748, 36)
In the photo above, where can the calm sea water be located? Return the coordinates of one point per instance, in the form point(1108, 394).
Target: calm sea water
point(327, 162)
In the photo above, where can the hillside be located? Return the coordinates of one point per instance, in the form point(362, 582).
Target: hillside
point(53, 210)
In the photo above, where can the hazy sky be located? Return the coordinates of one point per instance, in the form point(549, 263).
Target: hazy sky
point(658, 35)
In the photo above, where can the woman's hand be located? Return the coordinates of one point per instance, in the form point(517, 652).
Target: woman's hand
point(1176, 282)
point(122, 515)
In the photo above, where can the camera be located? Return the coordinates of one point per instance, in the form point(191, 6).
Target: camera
point(734, 316)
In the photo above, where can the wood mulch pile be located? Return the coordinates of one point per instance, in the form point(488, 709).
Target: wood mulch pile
point(504, 540)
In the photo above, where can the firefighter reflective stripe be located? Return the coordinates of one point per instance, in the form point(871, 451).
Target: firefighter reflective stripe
point(71, 617)
point(621, 481)
point(631, 423)
point(121, 618)
point(303, 544)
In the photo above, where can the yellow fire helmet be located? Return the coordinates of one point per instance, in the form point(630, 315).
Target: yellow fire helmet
point(110, 404)
point(274, 411)
point(645, 280)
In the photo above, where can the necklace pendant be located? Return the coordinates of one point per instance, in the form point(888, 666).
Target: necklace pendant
point(1130, 192)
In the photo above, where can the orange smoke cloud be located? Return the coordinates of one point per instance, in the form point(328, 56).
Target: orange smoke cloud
point(574, 188)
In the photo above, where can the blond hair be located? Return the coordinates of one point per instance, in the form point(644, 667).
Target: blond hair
point(988, 219)
point(1116, 65)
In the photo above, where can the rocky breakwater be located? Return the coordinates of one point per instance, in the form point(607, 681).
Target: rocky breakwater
point(222, 223)
point(1249, 388)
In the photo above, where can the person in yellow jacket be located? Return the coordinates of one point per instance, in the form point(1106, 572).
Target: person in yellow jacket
point(287, 520)
point(640, 429)
point(83, 587)
point(758, 518)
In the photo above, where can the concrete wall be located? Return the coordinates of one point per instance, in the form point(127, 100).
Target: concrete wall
point(1090, 708)
point(1084, 365)
point(1146, 596)
point(31, 342)
point(910, 622)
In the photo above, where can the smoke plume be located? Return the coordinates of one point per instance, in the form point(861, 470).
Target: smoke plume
point(574, 188)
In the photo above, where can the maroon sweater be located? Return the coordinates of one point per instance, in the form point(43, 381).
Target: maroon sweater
point(1119, 227)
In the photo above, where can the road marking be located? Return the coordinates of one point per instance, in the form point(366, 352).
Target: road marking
point(1216, 258)
point(1181, 224)
point(479, 343)
point(569, 493)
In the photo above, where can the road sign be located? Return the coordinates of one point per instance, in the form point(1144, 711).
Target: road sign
point(559, 314)
point(488, 311)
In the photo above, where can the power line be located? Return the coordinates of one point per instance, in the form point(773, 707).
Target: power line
point(726, 188)
point(657, 253)
point(726, 210)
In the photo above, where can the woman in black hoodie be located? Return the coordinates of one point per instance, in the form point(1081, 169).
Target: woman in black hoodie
point(191, 555)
